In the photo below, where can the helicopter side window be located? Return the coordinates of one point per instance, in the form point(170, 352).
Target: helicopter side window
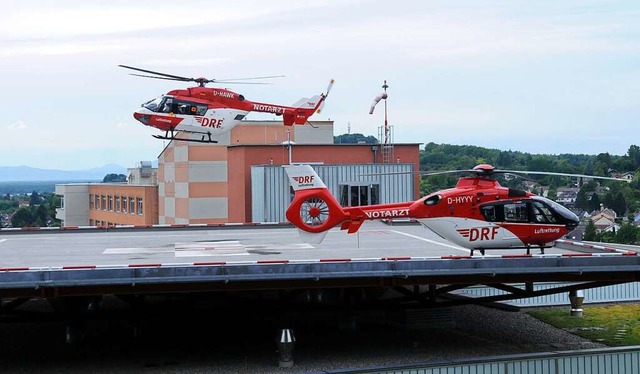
point(489, 213)
point(166, 108)
point(516, 212)
point(189, 108)
point(201, 109)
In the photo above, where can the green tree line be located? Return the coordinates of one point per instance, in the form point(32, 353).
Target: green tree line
point(621, 197)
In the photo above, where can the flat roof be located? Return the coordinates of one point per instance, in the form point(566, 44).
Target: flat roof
point(262, 257)
point(322, 145)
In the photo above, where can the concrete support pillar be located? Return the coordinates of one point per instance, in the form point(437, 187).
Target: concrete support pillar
point(576, 298)
point(285, 348)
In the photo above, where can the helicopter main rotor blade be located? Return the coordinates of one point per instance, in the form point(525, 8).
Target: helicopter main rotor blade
point(559, 174)
point(215, 81)
point(157, 73)
point(422, 173)
point(166, 78)
point(245, 79)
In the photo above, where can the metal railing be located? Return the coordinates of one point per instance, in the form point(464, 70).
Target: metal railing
point(625, 360)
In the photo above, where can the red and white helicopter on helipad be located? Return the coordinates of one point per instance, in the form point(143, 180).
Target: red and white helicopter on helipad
point(213, 111)
point(477, 214)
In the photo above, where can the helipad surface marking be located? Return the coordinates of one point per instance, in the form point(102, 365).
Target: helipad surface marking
point(430, 241)
point(135, 250)
point(217, 248)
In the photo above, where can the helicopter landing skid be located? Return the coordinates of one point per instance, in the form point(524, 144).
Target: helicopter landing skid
point(173, 137)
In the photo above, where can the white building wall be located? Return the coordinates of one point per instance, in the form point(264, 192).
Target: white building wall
point(322, 134)
point(75, 204)
point(208, 171)
point(210, 207)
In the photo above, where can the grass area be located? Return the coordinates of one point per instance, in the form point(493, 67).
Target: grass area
point(613, 325)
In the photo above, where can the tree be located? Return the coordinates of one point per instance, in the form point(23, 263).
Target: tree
point(34, 199)
point(582, 199)
point(634, 155)
point(354, 138)
point(627, 234)
point(593, 203)
point(41, 216)
point(114, 178)
point(22, 218)
point(590, 232)
point(504, 160)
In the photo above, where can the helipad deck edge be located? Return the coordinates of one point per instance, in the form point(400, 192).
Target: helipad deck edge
point(273, 276)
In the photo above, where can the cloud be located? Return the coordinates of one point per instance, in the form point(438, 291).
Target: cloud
point(17, 125)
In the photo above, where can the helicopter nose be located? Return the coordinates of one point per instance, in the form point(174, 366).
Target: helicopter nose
point(144, 118)
point(572, 222)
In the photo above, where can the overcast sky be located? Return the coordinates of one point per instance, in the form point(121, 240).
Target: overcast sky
point(535, 76)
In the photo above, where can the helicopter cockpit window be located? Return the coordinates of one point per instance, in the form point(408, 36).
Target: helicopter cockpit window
point(155, 104)
point(516, 212)
point(541, 213)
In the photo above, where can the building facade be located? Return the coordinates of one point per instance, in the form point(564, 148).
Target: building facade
point(122, 204)
point(110, 204)
point(204, 183)
point(193, 178)
point(212, 183)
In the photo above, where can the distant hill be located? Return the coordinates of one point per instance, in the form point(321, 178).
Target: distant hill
point(29, 174)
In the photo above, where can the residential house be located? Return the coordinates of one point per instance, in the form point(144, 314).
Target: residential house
point(605, 220)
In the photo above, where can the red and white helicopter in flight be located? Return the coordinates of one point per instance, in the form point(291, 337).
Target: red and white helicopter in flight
point(477, 214)
point(213, 111)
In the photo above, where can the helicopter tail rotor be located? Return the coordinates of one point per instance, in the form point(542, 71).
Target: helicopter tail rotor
point(304, 108)
point(329, 87)
point(313, 209)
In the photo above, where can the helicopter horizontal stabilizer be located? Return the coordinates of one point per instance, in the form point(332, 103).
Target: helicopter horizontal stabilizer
point(351, 226)
point(300, 112)
point(308, 103)
point(311, 237)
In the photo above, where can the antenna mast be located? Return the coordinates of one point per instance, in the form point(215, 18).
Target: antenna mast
point(386, 123)
point(386, 146)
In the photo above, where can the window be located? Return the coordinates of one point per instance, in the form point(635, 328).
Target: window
point(516, 212)
point(110, 203)
point(124, 204)
point(117, 203)
point(541, 213)
point(132, 206)
point(139, 205)
point(104, 202)
point(91, 201)
point(171, 105)
point(97, 203)
point(489, 213)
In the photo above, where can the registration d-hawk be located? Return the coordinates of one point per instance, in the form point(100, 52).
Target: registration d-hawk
point(211, 112)
point(478, 213)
